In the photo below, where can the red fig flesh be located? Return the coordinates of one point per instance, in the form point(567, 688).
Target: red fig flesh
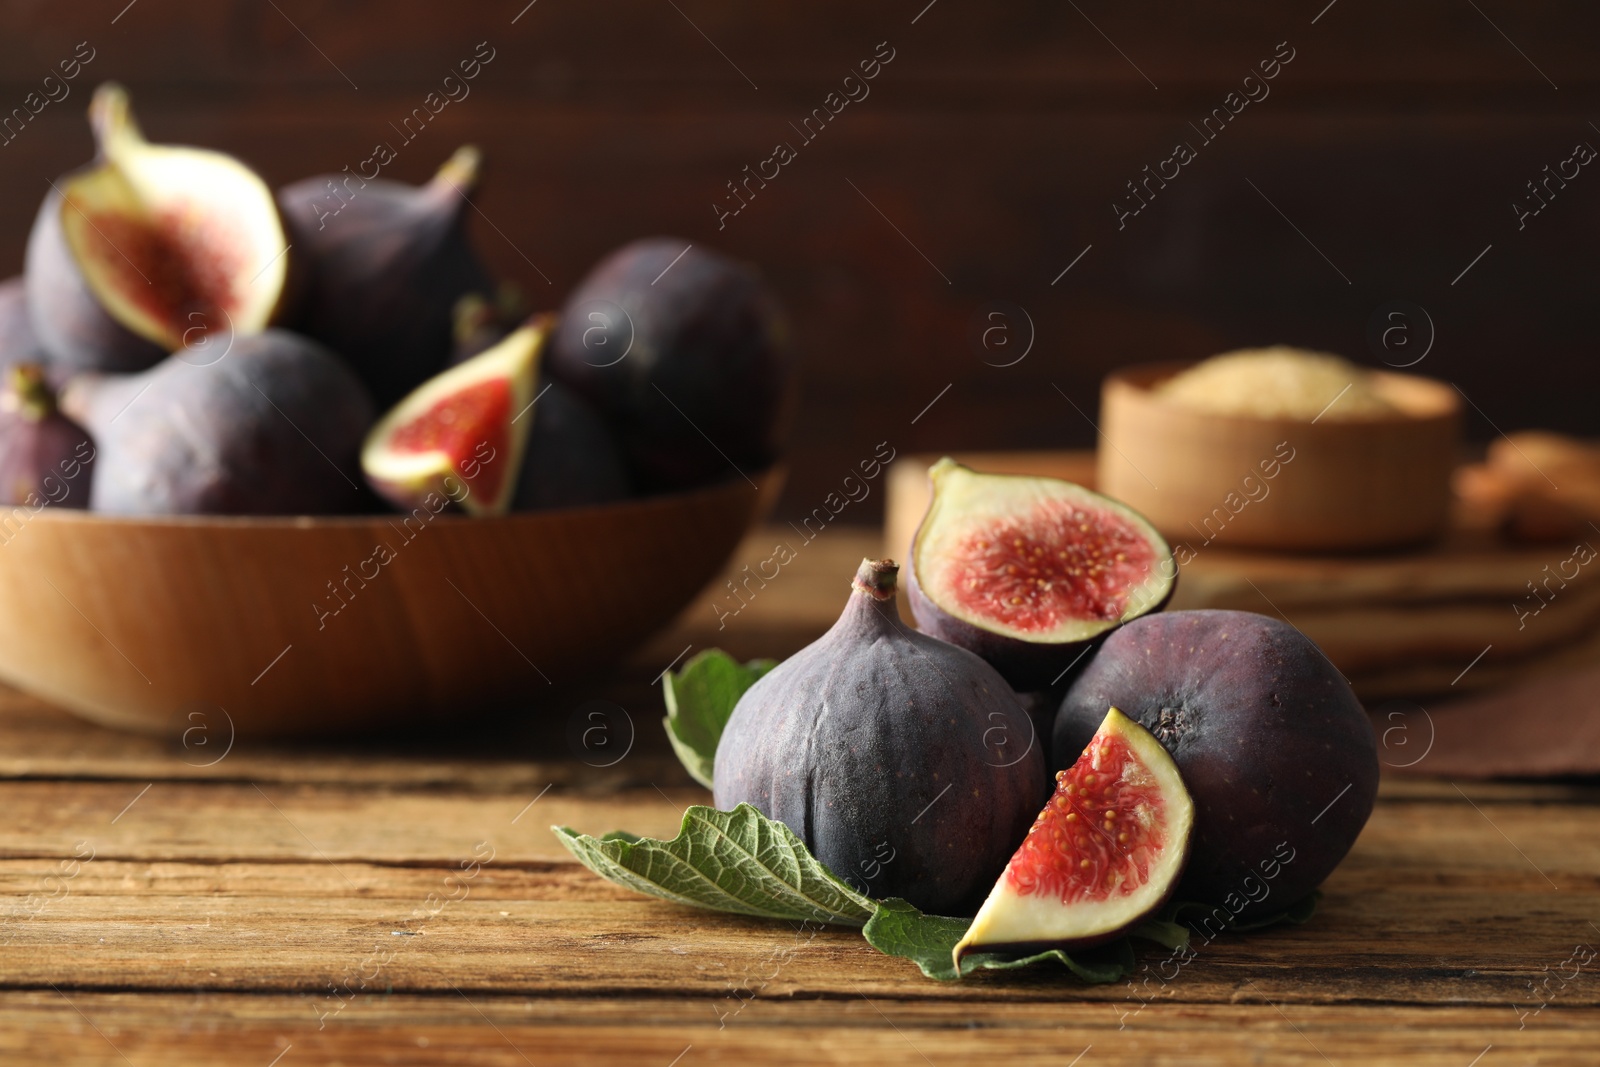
point(1026, 570)
point(1104, 854)
point(150, 248)
point(462, 433)
point(386, 264)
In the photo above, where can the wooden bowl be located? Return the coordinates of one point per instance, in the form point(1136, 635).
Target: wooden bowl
point(1204, 478)
point(273, 626)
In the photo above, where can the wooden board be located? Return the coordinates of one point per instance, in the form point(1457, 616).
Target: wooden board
point(1453, 616)
point(263, 909)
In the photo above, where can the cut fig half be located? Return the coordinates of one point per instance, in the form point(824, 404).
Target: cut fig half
point(461, 434)
point(1026, 570)
point(1103, 856)
point(169, 244)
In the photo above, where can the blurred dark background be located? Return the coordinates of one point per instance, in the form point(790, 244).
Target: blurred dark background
point(986, 157)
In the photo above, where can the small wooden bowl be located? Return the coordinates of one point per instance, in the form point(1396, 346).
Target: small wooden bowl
point(1204, 478)
point(274, 626)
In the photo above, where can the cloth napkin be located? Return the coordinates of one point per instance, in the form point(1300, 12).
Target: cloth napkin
point(1545, 727)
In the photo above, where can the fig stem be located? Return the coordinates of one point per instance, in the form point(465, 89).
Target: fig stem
point(459, 173)
point(111, 119)
point(876, 578)
point(28, 393)
point(472, 313)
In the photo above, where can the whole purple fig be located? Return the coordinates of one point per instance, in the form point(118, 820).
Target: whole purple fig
point(905, 764)
point(386, 264)
point(1272, 743)
point(571, 459)
point(272, 426)
point(45, 457)
point(686, 353)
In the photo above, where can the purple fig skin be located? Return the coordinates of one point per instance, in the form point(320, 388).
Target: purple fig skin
point(68, 320)
point(384, 271)
point(1025, 665)
point(905, 764)
point(571, 459)
point(272, 427)
point(1041, 706)
point(18, 342)
point(1272, 744)
point(46, 459)
point(710, 358)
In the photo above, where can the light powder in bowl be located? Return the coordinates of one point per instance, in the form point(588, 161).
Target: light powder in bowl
point(1278, 383)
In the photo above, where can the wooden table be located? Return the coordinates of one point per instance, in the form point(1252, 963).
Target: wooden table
point(401, 900)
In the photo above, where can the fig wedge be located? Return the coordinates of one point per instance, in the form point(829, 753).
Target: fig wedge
point(462, 433)
point(1103, 856)
point(150, 248)
point(1025, 571)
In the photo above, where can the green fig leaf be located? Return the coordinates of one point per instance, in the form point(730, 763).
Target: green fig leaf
point(1164, 933)
point(738, 861)
point(899, 929)
point(700, 697)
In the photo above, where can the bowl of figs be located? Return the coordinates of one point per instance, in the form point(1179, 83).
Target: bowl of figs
point(293, 457)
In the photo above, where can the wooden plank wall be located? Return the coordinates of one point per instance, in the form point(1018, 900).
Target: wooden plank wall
point(986, 157)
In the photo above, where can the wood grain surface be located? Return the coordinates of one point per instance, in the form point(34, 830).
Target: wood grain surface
point(307, 904)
